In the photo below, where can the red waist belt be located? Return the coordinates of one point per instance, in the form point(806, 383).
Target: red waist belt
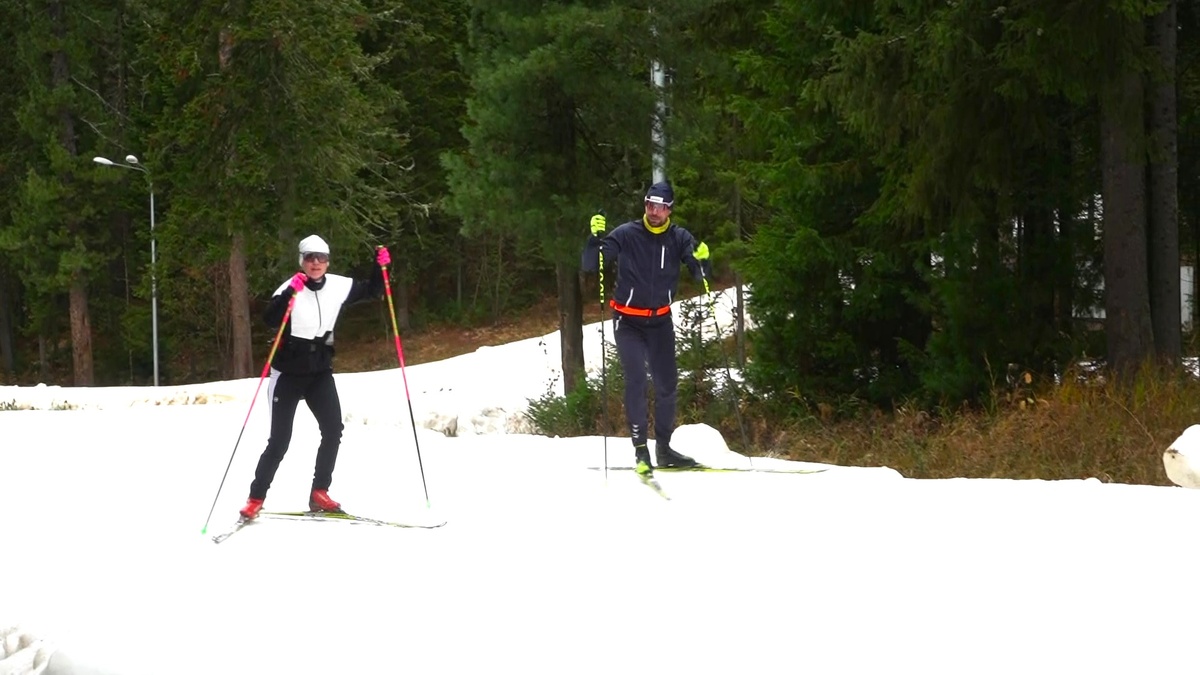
point(638, 311)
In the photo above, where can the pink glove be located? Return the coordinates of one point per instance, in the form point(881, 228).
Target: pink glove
point(297, 282)
point(383, 257)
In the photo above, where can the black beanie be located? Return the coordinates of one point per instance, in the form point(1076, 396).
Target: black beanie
point(661, 193)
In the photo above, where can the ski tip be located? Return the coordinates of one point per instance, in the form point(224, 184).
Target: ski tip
point(204, 530)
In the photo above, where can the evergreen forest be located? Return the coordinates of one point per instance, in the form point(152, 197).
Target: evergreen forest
point(923, 200)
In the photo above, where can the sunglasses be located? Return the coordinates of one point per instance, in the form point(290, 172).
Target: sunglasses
point(316, 257)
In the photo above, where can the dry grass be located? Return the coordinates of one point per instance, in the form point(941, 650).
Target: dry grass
point(1070, 431)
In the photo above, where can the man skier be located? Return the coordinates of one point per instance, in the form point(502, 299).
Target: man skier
point(649, 253)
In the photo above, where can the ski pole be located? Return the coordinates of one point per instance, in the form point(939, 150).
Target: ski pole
point(266, 368)
point(737, 409)
point(400, 357)
point(603, 369)
point(603, 362)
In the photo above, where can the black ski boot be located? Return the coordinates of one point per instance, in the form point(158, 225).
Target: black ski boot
point(669, 459)
point(641, 460)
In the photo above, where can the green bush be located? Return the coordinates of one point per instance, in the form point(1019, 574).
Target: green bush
point(594, 408)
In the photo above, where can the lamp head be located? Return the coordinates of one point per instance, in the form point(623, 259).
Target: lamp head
point(131, 159)
point(102, 160)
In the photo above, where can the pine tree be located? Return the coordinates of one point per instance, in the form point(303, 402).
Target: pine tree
point(271, 128)
point(55, 221)
point(11, 89)
point(417, 46)
point(558, 124)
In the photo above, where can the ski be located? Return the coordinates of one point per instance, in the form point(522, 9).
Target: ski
point(648, 479)
point(332, 516)
point(241, 522)
point(711, 469)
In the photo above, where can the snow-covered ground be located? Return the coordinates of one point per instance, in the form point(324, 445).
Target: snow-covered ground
point(547, 564)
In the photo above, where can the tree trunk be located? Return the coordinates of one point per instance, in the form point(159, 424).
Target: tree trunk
point(1037, 277)
point(400, 293)
point(8, 359)
point(1127, 328)
point(60, 77)
point(43, 356)
point(560, 111)
point(1069, 227)
point(739, 324)
point(1064, 294)
point(570, 325)
point(241, 351)
point(498, 287)
point(739, 319)
point(81, 333)
point(1163, 203)
point(239, 309)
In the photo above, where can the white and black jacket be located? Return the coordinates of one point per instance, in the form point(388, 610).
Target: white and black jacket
point(307, 343)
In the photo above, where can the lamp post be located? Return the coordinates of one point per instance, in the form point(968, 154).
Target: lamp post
point(132, 163)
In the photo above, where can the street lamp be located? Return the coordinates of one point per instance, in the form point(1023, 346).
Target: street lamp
point(132, 163)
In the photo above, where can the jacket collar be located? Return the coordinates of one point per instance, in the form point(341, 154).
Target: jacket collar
point(656, 230)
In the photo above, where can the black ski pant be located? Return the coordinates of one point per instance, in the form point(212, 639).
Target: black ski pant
point(646, 346)
point(320, 393)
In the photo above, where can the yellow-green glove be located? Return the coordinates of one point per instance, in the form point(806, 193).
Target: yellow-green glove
point(701, 252)
point(598, 224)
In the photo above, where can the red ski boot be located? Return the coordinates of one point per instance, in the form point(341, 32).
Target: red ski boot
point(251, 509)
point(319, 501)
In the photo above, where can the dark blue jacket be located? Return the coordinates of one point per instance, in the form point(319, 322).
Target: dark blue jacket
point(647, 264)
